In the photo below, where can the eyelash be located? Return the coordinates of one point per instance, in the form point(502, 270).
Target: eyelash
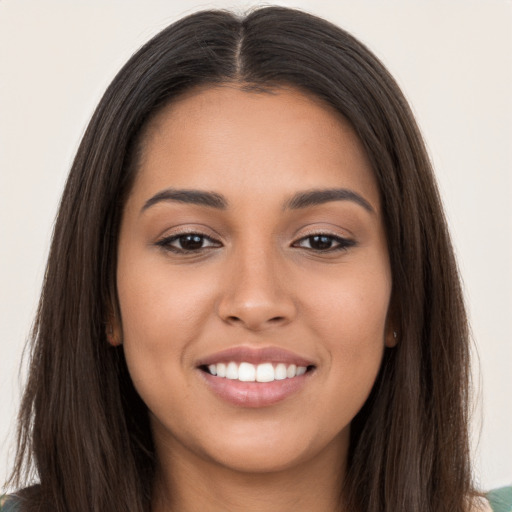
point(166, 242)
point(343, 243)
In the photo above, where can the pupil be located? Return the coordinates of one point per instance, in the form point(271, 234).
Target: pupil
point(191, 242)
point(321, 242)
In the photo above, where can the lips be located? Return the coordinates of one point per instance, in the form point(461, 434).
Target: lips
point(251, 377)
point(242, 354)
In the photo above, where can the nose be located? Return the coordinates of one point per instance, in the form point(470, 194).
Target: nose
point(255, 294)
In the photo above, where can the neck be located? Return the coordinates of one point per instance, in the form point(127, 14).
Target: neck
point(189, 484)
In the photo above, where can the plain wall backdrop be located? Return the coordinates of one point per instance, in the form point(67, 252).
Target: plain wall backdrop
point(453, 59)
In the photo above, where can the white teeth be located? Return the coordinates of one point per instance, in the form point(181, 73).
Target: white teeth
point(246, 372)
point(232, 371)
point(221, 369)
point(280, 372)
point(264, 372)
point(291, 371)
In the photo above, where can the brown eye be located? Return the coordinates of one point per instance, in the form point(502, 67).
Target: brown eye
point(323, 242)
point(188, 242)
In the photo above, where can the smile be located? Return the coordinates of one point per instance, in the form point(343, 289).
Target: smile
point(255, 377)
point(248, 372)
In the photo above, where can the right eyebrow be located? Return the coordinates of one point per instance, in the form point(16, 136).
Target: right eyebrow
point(191, 196)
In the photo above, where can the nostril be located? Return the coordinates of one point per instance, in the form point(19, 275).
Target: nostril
point(275, 319)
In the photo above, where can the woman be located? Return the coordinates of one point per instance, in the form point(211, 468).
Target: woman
point(251, 301)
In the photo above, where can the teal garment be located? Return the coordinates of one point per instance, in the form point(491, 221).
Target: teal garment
point(10, 505)
point(500, 500)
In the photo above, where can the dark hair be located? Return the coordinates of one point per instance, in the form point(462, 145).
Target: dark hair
point(84, 429)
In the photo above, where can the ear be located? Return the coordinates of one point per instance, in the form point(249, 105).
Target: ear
point(113, 330)
point(391, 335)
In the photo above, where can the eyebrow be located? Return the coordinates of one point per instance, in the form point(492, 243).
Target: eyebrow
point(316, 197)
point(298, 201)
point(199, 197)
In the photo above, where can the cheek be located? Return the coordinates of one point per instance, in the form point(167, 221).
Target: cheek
point(348, 312)
point(158, 302)
point(349, 306)
point(162, 313)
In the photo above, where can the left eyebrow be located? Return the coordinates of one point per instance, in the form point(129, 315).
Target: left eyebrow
point(316, 197)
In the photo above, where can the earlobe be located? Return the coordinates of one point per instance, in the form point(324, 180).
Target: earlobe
point(392, 334)
point(113, 333)
point(391, 339)
point(113, 328)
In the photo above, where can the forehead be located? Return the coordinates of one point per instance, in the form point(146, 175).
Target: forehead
point(225, 136)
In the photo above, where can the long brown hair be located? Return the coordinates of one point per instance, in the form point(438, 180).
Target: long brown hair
point(82, 426)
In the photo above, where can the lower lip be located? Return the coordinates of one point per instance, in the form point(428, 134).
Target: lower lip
point(254, 394)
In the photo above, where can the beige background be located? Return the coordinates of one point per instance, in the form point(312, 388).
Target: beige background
point(454, 62)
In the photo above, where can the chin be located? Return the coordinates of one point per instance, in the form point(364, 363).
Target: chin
point(257, 459)
point(272, 452)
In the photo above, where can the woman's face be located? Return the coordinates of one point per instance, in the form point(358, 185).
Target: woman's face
point(252, 246)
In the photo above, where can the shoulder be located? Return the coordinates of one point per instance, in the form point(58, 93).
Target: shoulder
point(18, 500)
point(500, 499)
point(497, 500)
point(8, 504)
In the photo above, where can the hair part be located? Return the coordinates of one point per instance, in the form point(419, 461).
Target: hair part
point(83, 428)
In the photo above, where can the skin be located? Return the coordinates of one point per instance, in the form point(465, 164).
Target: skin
point(260, 282)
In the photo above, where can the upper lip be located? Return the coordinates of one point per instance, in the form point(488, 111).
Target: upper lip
point(255, 356)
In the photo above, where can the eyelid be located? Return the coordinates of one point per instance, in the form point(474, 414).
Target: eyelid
point(189, 229)
point(323, 227)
